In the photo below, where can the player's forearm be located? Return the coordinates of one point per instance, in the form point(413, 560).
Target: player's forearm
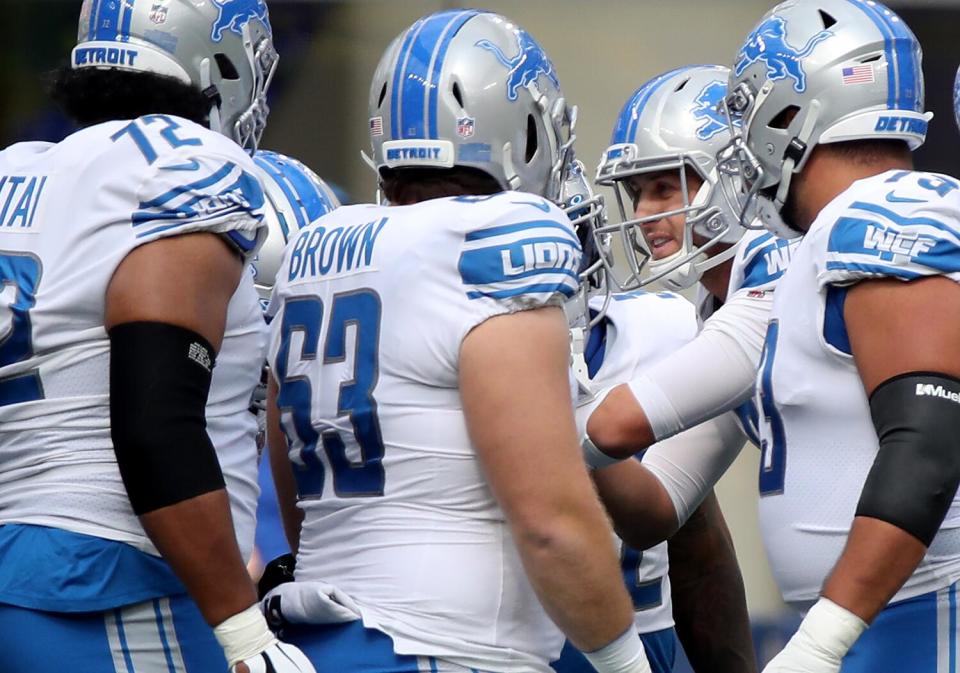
point(282, 471)
point(673, 396)
point(878, 559)
point(709, 603)
point(196, 537)
point(640, 508)
point(571, 562)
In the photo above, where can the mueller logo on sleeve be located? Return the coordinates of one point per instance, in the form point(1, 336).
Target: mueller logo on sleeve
point(931, 390)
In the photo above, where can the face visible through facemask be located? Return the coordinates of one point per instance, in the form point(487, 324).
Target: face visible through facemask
point(662, 192)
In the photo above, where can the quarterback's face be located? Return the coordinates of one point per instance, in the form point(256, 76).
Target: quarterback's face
point(662, 192)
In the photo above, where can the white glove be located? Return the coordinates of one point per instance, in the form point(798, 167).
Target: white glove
point(278, 658)
point(245, 639)
point(308, 603)
point(825, 636)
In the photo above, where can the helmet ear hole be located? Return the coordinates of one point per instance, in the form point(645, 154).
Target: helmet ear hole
point(532, 142)
point(226, 67)
point(784, 117)
point(457, 94)
point(383, 94)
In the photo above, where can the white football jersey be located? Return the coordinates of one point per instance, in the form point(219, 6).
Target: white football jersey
point(639, 328)
point(759, 263)
point(370, 308)
point(818, 440)
point(69, 214)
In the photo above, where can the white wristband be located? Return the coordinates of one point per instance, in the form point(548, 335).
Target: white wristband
point(623, 655)
point(830, 628)
point(244, 635)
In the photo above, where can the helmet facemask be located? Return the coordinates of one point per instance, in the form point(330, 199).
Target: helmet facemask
point(707, 214)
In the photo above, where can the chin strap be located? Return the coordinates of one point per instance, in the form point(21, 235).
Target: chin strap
point(210, 91)
point(578, 363)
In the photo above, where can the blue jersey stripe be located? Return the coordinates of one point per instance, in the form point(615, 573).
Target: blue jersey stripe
point(834, 326)
point(108, 20)
point(449, 32)
point(760, 240)
point(758, 273)
point(521, 226)
point(396, 98)
point(212, 179)
point(902, 220)
point(125, 21)
point(878, 269)
point(245, 244)
point(194, 220)
point(626, 127)
point(749, 420)
point(537, 288)
point(475, 275)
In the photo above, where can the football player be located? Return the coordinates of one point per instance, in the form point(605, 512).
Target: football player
point(858, 382)
point(638, 329)
point(295, 197)
point(420, 364)
point(682, 228)
point(127, 460)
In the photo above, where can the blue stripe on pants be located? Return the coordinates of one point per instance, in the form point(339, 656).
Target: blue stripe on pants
point(35, 641)
point(911, 635)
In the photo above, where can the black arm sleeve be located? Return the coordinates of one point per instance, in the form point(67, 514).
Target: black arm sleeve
point(915, 475)
point(159, 380)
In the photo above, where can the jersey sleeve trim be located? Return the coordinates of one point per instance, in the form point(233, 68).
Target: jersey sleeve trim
point(522, 258)
point(502, 230)
point(228, 199)
point(889, 245)
point(767, 264)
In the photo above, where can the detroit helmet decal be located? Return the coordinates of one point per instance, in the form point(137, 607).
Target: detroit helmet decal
point(768, 44)
point(707, 109)
point(526, 67)
point(235, 14)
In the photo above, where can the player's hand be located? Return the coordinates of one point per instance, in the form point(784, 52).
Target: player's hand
point(825, 636)
point(250, 647)
point(278, 658)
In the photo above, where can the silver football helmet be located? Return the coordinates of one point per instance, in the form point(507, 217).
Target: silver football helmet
point(813, 72)
point(674, 122)
point(296, 197)
point(469, 88)
point(222, 47)
point(587, 213)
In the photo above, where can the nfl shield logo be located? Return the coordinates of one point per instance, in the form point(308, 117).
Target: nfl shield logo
point(158, 13)
point(465, 127)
